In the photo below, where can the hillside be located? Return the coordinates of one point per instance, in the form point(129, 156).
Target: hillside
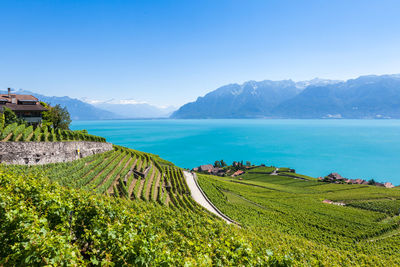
point(357, 221)
point(127, 207)
point(365, 97)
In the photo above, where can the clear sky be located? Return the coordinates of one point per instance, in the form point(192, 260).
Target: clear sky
point(170, 52)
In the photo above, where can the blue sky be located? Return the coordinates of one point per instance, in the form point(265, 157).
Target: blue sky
point(170, 52)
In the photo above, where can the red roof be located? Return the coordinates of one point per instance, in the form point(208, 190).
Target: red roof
point(16, 102)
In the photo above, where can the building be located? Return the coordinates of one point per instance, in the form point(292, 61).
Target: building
point(388, 185)
point(206, 168)
point(26, 107)
point(237, 173)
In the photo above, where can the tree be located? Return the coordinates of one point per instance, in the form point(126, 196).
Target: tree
point(248, 163)
point(217, 164)
point(57, 116)
point(371, 182)
point(223, 164)
point(10, 117)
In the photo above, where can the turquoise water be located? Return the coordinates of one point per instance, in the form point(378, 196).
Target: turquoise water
point(354, 148)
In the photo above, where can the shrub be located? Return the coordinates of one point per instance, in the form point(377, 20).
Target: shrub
point(19, 130)
point(45, 131)
point(9, 129)
point(36, 134)
point(27, 132)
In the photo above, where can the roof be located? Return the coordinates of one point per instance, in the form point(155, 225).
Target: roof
point(19, 97)
point(33, 106)
point(16, 107)
point(206, 167)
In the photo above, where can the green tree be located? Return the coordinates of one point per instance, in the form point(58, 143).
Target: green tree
point(217, 164)
point(223, 164)
point(57, 116)
point(2, 121)
point(248, 163)
point(10, 117)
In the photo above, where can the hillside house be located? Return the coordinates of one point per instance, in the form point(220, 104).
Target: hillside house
point(26, 107)
point(237, 173)
point(388, 185)
point(206, 168)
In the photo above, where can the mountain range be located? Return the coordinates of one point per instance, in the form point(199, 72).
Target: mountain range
point(102, 110)
point(369, 96)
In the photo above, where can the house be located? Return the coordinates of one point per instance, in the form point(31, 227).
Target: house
point(26, 107)
point(206, 168)
point(237, 173)
point(388, 185)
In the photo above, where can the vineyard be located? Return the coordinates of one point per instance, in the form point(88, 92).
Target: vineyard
point(367, 226)
point(14, 132)
point(43, 223)
point(124, 173)
point(126, 207)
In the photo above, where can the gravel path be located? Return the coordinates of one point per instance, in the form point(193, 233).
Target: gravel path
point(198, 195)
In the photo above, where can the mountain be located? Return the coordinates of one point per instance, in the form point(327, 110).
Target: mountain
point(132, 109)
point(369, 96)
point(249, 100)
point(78, 109)
point(365, 97)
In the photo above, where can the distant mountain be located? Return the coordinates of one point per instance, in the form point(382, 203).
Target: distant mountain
point(78, 109)
point(365, 97)
point(132, 109)
point(249, 100)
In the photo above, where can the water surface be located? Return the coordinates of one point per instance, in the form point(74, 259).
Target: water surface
point(354, 148)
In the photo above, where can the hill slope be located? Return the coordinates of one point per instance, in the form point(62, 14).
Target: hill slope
point(357, 221)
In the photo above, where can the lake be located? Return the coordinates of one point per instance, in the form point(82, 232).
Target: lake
point(354, 148)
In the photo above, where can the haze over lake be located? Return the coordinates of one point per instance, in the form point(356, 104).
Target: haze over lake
point(354, 148)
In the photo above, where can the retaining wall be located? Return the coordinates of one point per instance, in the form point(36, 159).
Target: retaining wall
point(34, 153)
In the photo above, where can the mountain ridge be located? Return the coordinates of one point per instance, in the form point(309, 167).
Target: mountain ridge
point(370, 96)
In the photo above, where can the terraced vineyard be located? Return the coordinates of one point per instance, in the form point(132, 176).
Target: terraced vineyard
point(14, 132)
point(125, 173)
point(367, 226)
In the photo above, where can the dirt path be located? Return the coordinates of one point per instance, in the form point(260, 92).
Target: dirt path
point(199, 196)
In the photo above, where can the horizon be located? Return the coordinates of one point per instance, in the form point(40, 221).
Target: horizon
point(122, 101)
point(169, 53)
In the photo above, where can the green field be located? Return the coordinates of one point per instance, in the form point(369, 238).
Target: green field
point(366, 228)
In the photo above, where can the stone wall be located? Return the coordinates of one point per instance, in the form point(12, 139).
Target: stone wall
point(34, 153)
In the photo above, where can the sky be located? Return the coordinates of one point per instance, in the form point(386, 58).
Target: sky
point(171, 52)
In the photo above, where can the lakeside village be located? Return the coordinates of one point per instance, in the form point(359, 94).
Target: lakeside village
point(220, 168)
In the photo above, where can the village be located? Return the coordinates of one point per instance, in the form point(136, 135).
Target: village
point(220, 168)
point(336, 178)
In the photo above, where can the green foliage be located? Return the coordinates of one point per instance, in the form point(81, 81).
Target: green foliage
point(57, 116)
point(2, 121)
point(37, 134)
point(17, 132)
point(10, 117)
point(27, 133)
point(388, 206)
point(276, 206)
point(42, 223)
point(8, 129)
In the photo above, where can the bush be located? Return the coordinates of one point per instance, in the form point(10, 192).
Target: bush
point(27, 132)
point(19, 130)
point(45, 131)
point(36, 134)
point(9, 129)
